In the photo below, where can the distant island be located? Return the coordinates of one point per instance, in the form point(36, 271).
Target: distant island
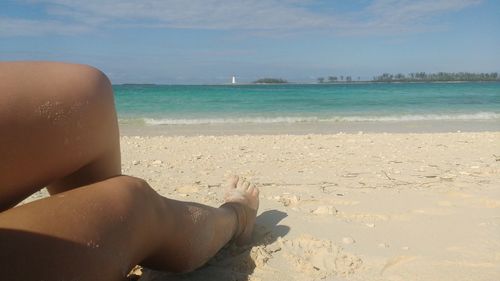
point(270, 81)
point(335, 79)
point(138, 84)
point(418, 77)
point(436, 77)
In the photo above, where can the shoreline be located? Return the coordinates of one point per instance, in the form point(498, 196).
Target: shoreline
point(306, 128)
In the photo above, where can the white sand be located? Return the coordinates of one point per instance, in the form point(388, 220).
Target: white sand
point(342, 207)
point(335, 207)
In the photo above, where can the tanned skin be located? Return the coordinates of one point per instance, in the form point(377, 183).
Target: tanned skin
point(58, 129)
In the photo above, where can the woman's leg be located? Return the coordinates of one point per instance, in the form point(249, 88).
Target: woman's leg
point(100, 231)
point(58, 127)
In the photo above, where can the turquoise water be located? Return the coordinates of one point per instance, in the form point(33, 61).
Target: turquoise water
point(293, 103)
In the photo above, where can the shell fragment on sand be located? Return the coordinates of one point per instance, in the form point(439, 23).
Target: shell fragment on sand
point(325, 210)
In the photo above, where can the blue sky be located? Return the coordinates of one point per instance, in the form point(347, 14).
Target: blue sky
point(207, 41)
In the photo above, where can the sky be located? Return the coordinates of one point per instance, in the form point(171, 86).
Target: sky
point(208, 41)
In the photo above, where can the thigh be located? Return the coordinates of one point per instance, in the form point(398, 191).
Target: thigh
point(57, 126)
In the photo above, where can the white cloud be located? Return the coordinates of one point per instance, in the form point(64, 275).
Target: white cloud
point(381, 16)
point(199, 14)
point(405, 13)
point(26, 27)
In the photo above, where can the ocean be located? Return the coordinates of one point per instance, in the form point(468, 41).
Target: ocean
point(323, 107)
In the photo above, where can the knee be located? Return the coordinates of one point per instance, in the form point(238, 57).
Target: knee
point(74, 85)
point(129, 188)
point(84, 71)
point(130, 196)
point(91, 81)
point(94, 76)
point(89, 97)
point(135, 187)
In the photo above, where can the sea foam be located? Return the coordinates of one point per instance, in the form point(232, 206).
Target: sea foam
point(315, 119)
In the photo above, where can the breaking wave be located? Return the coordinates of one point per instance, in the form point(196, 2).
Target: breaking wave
point(314, 119)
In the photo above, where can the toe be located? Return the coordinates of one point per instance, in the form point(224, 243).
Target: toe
point(241, 181)
point(233, 180)
point(246, 185)
point(255, 192)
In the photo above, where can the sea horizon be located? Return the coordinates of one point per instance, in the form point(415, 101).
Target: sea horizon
point(301, 83)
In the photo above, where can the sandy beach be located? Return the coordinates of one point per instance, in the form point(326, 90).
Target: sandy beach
point(344, 206)
point(371, 129)
point(341, 207)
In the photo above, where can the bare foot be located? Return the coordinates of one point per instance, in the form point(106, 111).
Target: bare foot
point(243, 197)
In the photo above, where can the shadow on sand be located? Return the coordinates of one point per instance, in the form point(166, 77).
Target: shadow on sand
point(233, 263)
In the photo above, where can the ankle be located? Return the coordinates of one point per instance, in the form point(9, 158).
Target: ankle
point(233, 209)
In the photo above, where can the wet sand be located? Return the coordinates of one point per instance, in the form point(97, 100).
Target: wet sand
point(304, 128)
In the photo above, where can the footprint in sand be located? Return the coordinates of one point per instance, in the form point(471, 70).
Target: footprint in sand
point(325, 210)
point(318, 258)
point(396, 261)
point(288, 200)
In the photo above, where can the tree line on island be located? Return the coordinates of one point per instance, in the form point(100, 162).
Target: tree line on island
point(388, 77)
point(420, 77)
point(335, 79)
point(271, 81)
point(440, 76)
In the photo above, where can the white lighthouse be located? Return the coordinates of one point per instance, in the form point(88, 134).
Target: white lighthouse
point(233, 80)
